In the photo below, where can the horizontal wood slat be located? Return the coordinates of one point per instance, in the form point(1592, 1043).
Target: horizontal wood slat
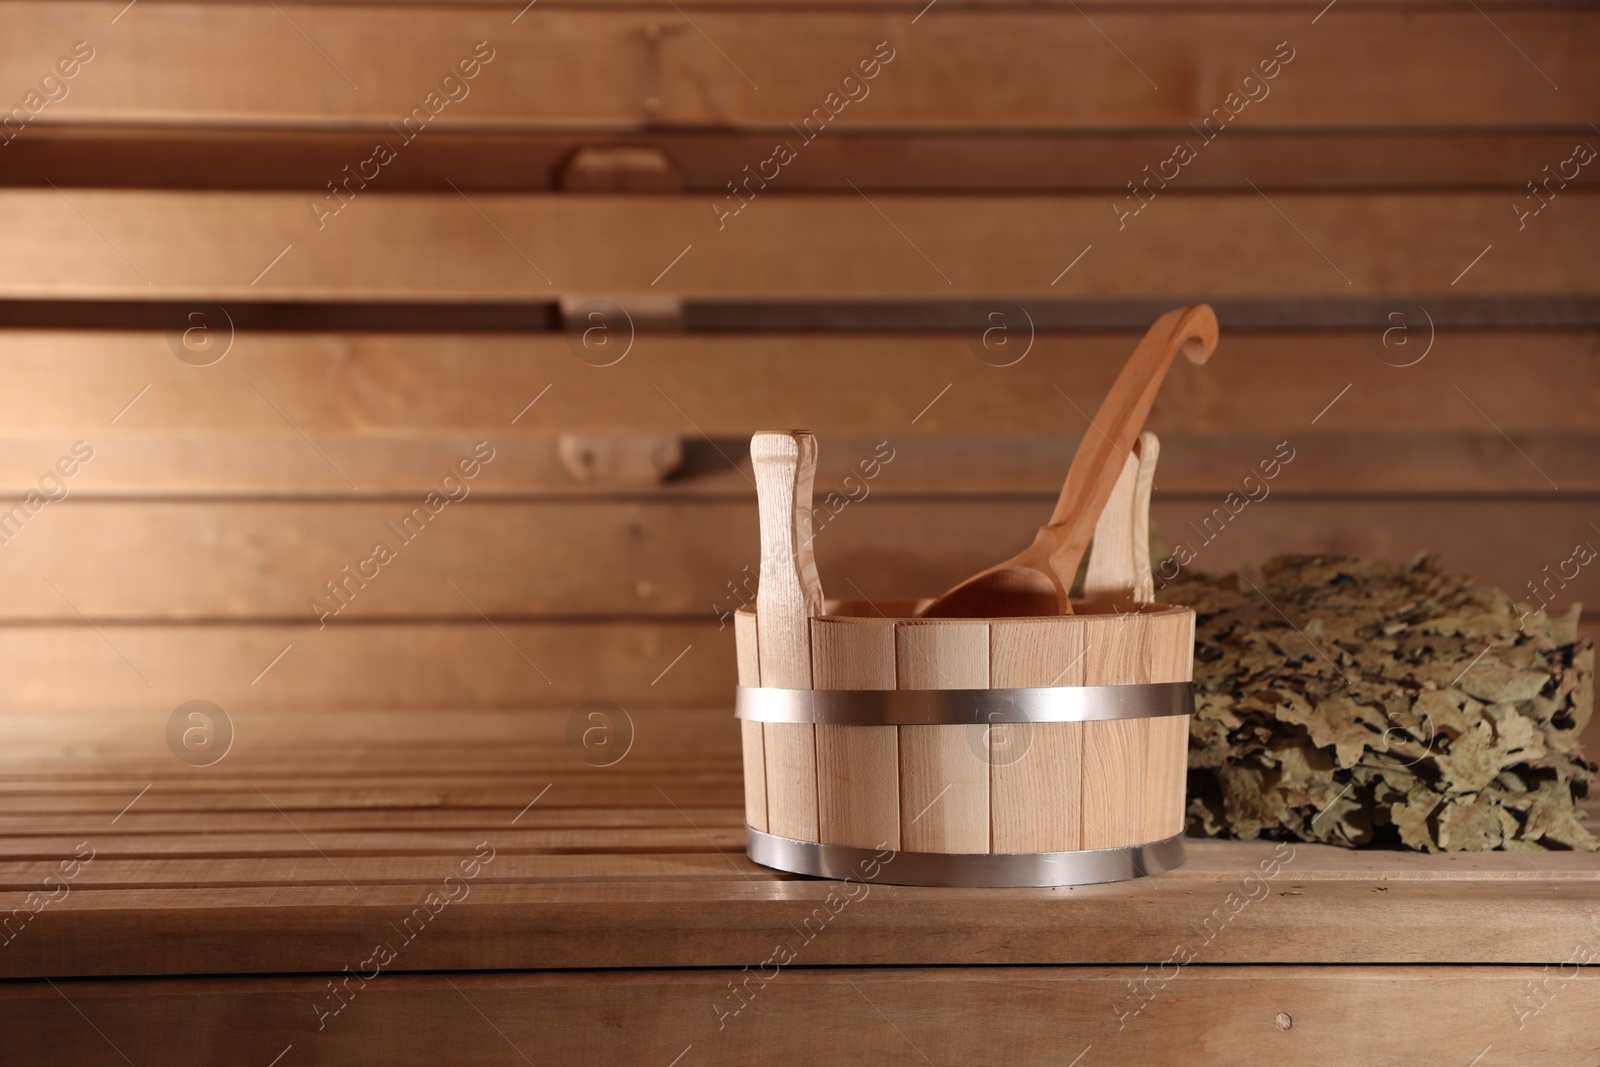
point(1216, 1015)
point(393, 665)
point(383, 388)
point(405, 466)
point(620, 865)
point(145, 562)
point(901, 160)
point(107, 244)
point(598, 68)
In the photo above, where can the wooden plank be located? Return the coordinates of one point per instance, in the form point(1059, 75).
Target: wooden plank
point(944, 770)
point(1116, 790)
point(1036, 769)
point(626, 888)
point(755, 774)
point(128, 154)
point(105, 244)
point(752, 740)
point(1113, 568)
point(1216, 1015)
point(270, 864)
point(858, 787)
point(281, 466)
point(787, 597)
point(605, 68)
point(278, 929)
point(791, 758)
point(69, 668)
point(1167, 771)
point(402, 665)
point(858, 795)
point(633, 558)
point(747, 649)
point(365, 398)
point(789, 593)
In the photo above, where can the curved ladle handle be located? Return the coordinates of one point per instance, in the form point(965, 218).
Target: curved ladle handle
point(1121, 416)
point(1115, 427)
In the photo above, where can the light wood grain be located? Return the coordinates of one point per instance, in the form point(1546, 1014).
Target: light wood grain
point(746, 650)
point(1172, 646)
point(1111, 569)
point(1119, 558)
point(858, 797)
point(1036, 787)
point(789, 593)
point(1036, 769)
point(1128, 765)
point(1148, 451)
point(410, 664)
point(853, 653)
point(858, 788)
point(376, 393)
point(944, 770)
point(1040, 652)
point(755, 774)
point(1166, 776)
point(599, 69)
point(153, 560)
point(791, 779)
point(1117, 790)
point(786, 599)
point(834, 246)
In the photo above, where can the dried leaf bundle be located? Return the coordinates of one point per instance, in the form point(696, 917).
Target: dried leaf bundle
point(1366, 703)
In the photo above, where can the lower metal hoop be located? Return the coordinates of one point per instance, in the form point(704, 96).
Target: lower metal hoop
point(989, 870)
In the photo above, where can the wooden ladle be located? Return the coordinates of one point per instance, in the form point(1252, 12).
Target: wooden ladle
point(1037, 580)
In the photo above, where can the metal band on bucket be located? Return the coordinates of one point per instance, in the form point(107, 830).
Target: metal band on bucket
point(988, 870)
point(958, 707)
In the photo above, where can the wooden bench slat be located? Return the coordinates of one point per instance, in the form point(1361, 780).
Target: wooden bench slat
point(211, 930)
point(1037, 1016)
point(196, 884)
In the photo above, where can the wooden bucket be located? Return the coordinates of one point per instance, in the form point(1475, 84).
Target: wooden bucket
point(964, 752)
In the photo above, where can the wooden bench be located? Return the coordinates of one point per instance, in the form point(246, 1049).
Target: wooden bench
point(569, 913)
point(276, 344)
